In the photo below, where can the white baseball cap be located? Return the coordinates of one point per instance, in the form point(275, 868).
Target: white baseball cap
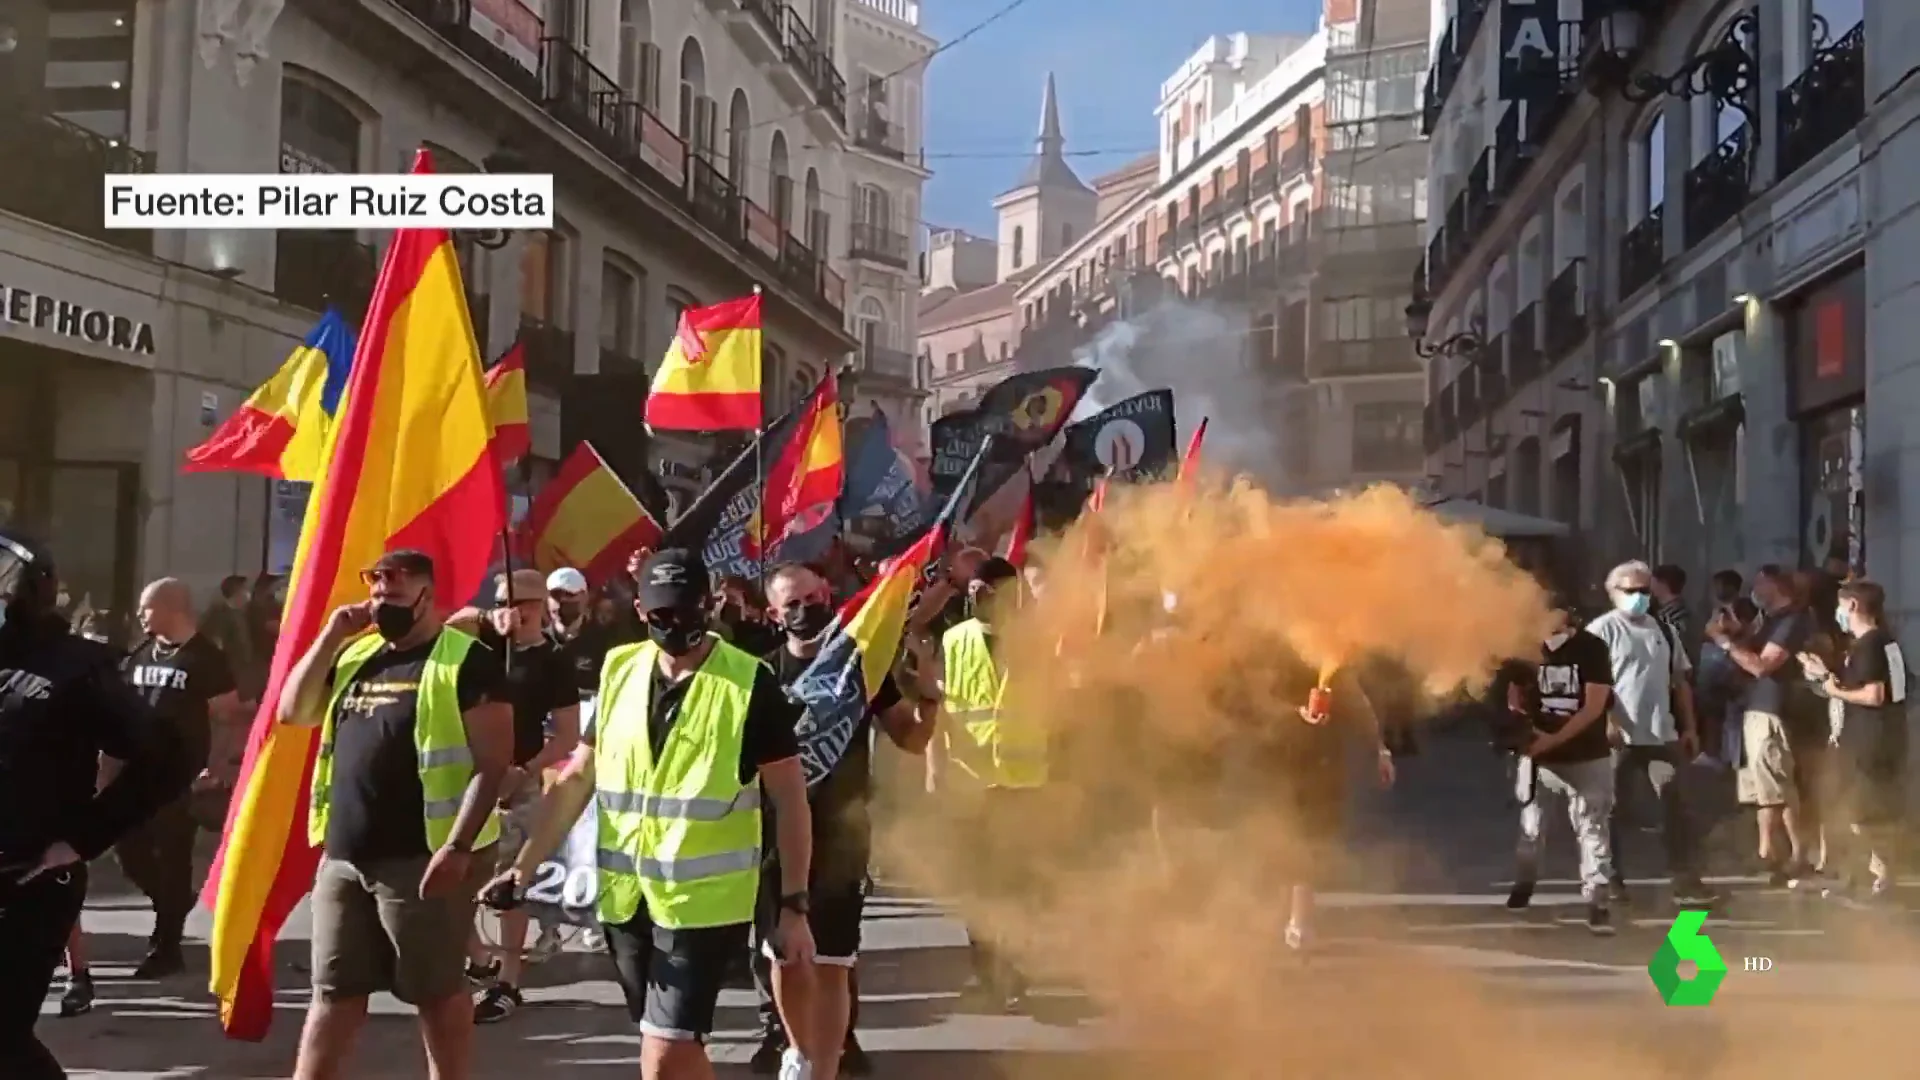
point(566, 580)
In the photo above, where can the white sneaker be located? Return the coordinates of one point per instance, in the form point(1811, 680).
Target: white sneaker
point(795, 1067)
point(592, 940)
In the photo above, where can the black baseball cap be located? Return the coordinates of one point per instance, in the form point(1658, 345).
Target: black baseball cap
point(673, 578)
point(409, 561)
point(996, 570)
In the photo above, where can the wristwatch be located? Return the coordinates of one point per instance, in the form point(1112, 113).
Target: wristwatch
point(794, 902)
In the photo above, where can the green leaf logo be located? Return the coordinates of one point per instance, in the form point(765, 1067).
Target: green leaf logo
point(1686, 942)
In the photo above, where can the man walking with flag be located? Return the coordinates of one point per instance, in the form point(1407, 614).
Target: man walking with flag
point(801, 602)
point(416, 737)
point(689, 732)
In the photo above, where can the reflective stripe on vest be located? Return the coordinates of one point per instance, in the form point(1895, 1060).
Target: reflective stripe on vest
point(995, 750)
point(680, 834)
point(439, 738)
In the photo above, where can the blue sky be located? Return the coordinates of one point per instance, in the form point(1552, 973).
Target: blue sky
point(1109, 58)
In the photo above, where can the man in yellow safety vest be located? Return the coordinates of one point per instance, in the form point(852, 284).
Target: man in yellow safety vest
point(993, 757)
point(688, 732)
point(415, 738)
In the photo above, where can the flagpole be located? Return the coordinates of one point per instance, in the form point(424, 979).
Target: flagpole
point(760, 474)
point(506, 555)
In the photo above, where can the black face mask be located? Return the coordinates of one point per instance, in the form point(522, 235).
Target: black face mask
point(395, 621)
point(809, 622)
point(680, 635)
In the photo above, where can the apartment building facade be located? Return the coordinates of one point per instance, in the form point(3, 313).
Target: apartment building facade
point(886, 54)
point(1289, 196)
point(1646, 299)
point(698, 150)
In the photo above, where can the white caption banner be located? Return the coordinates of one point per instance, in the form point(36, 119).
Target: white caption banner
point(328, 201)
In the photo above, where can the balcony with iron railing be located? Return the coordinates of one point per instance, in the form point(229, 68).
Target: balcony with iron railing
point(1719, 186)
point(584, 100)
point(1565, 311)
point(319, 268)
point(1480, 199)
point(1186, 233)
point(1643, 251)
point(1362, 358)
point(1450, 410)
point(1524, 359)
point(805, 54)
point(57, 174)
point(1466, 393)
point(1492, 365)
point(1295, 159)
point(1211, 213)
point(876, 134)
point(1825, 102)
point(878, 243)
point(887, 362)
point(906, 11)
point(1510, 156)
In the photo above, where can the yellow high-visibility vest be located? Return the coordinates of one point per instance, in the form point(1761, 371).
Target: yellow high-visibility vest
point(995, 749)
point(439, 738)
point(679, 832)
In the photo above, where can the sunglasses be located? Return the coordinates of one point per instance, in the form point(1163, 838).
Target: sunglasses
point(384, 576)
point(1634, 590)
point(504, 603)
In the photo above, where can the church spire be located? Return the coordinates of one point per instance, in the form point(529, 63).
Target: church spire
point(1051, 141)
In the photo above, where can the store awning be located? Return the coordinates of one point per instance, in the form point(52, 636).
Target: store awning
point(1506, 524)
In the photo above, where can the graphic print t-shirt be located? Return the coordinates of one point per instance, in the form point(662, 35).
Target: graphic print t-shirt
point(378, 810)
point(842, 829)
point(177, 682)
point(1561, 677)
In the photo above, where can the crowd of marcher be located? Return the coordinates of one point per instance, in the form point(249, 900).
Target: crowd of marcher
point(456, 753)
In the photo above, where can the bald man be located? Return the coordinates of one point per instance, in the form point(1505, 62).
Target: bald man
point(188, 682)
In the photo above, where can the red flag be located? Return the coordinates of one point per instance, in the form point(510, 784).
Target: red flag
point(1190, 461)
point(1023, 527)
point(804, 482)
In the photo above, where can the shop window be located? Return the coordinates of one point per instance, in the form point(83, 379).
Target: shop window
point(1526, 476)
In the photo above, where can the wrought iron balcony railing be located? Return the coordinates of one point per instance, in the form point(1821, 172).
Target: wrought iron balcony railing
point(878, 243)
point(57, 172)
point(1643, 251)
point(1565, 310)
point(1825, 102)
point(1719, 186)
point(1524, 364)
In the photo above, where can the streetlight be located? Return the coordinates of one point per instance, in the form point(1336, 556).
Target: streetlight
point(1725, 71)
point(504, 161)
point(1419, 315)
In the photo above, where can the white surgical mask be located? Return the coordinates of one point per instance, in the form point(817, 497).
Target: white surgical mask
point(1633, 603)
point(1843, 618)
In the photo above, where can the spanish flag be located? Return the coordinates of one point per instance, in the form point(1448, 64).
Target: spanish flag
point(281, 429)
point(408, 466)
point(586, 518)
point(803, 486)
point(859, 649)
point(710, 379)
point(507, 406)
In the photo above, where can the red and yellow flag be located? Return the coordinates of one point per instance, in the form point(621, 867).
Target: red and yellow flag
point(803, 486)
point(507, 406)
point(280, 431)
point(586, 518)
point(408, 466)
point(1190, 461)
point(710, 379)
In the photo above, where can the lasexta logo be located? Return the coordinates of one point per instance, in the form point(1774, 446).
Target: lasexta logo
point(1685, 942)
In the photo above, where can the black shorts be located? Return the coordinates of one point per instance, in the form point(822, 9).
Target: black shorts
point(834, 911)
point(672, 978)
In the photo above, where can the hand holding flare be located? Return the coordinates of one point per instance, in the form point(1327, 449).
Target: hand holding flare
point(1319, 706)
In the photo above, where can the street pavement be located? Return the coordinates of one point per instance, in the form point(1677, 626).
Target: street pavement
point(1435, 859)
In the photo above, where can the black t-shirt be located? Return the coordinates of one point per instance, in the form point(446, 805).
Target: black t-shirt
point(842, 829)
point(1876, 735)
point(769, 734)
point(537, 680)
point(378, 810)
point(178, 681)
point(62, 705)
point(1560, 682)
point(586, 653)
point(1786, 693)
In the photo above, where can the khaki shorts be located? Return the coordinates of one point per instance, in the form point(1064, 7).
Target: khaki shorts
point(372, 932)
point(1767, 771)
